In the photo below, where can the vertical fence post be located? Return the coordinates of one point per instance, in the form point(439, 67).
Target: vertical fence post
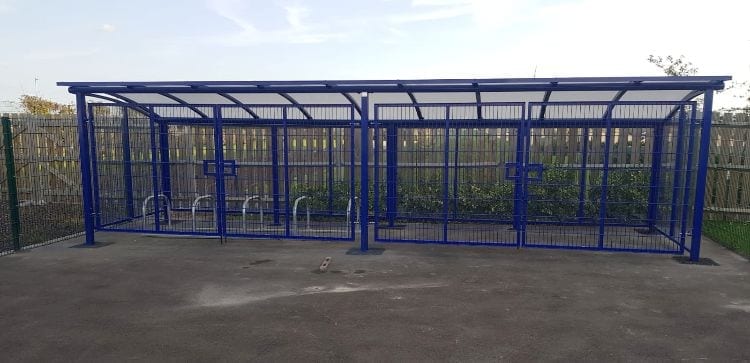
point(688, 177)
point(677, 170)
point(127, 173)
point(446, 159)
point(94, 168)
point(582, 177)
point(166, 180)
point(154, 169)
point(10, 172)
point(653, 193)
point(221, 193)
point(605, 176)
point(391, 174)
point(330, 171)
point(700, 183)
point(287, 185)
point(364, 182)
point(85, 161)
point(275, 174)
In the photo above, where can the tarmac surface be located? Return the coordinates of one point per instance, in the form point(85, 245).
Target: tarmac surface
point(181, 299)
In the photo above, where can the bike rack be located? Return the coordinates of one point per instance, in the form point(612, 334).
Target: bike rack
point(244, 211)
point(294, 212)
point(352, 201)
point(144, 210)
point(193, 209)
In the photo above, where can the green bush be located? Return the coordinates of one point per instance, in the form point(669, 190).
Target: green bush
point(556, 197)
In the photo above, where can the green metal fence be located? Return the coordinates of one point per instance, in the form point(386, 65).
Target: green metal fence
point(39, 181)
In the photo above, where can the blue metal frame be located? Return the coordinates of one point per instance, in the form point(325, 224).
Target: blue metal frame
point(94, 170)
point(391, 173)
point(275, 174)
point(676, 180)
point(86, 187)
point(364, 180)
point(117, 93)
point(700, 184)
point(127, 174)
point(154, 170)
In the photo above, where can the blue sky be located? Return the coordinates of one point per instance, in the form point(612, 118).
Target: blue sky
point(347, 39)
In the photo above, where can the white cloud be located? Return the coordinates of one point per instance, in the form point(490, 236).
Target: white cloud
point(107, 28)
point(296, 31)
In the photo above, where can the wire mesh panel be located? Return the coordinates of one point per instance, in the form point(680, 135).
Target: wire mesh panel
point(44, 166)
point(150, 175)
point(608, 176)
point(294, 177)
point(441, 175)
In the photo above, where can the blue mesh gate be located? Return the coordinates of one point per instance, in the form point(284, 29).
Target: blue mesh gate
point(235, 171)
point(584, 175)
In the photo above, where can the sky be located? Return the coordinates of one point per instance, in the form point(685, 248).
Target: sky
point(43, 42)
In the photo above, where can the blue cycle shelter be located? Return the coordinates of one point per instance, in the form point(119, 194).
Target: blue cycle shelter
point(614, 164)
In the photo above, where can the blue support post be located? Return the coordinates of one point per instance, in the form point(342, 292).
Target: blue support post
point(391, 174)
point(287, 201)
point(352, 168)
point(127, 173)
point(364, 182)
point(521, 202)
point(94, 169)
point(677, 170)
point(688, 178)
point(455, 170)
point(376, 171)
point(519, 199)
point(700, 183)
point(582, 178)
point(653, 193)
point(446, 159)
point(154, 170)
point(83, 149)
point(605, 176)
point(275, 174)
point(330, 171)
point(166, 179)
point(221, 204)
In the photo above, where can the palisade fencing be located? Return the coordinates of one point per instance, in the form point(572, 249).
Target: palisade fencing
point(46, 168)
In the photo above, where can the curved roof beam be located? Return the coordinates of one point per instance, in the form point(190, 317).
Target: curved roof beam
point(348, 98)
point(543, 109)
point(616, 98)
point(184, 103)
point(687, 98)
point(239, 103)
point(354, 103)
point(414, 102)
point(296, 104)
point(121, 102)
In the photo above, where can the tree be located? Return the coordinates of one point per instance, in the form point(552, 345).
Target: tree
point(679, 66)
point(36, 105)
point(672, 66)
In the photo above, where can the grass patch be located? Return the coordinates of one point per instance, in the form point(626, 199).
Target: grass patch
point(732, 235)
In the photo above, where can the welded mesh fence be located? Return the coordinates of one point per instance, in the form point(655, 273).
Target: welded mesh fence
point(46, 167)
point(47, 180)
